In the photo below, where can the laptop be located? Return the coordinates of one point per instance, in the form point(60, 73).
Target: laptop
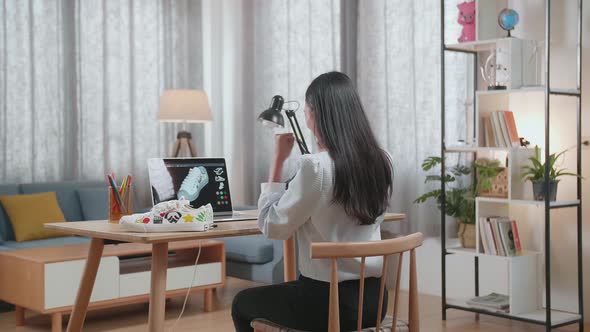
point(199, 180)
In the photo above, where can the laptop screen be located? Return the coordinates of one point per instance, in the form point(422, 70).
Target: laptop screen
point(199, 180)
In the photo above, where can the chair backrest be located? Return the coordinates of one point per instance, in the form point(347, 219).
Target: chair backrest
point(384, 248)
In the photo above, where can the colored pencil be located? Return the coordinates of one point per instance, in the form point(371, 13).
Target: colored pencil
point(118, 199)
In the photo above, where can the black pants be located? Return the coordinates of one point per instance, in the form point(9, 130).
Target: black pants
point(303, 304)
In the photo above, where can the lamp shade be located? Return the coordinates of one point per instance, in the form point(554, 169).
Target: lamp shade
point(272, 117)
point(184, 106)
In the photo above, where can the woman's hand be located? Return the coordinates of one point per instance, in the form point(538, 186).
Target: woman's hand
point(283, 146)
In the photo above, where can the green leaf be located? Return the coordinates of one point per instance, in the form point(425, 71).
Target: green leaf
point(431, 162)
point(460, 170)
point(432, 194)
point(536, 163)
point(430, 178)
point(563, 172)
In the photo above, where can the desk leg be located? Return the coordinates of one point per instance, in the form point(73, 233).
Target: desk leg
point(86, 285)
point(289, 259)
point(208, 300)
point(56, 322)
point(158, 287)
point(19, 315)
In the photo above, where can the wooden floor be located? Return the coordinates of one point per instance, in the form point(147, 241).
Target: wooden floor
point(134, 317)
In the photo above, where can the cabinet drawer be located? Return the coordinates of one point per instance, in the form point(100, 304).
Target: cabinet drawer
point(62, 280)
point(138, 283)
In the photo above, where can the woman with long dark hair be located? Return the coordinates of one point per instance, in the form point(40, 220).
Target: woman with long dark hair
point(338, 195)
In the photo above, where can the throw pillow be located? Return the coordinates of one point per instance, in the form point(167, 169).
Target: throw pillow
point(28, 213)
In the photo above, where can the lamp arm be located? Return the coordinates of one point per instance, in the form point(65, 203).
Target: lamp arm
point(297, 131)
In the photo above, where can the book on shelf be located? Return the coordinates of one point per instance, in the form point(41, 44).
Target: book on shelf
point(503, 128)
point(511, 126)
point(489, 138)
point(499, 129)
point(490, 237)
point(499, 236)
point(516, 237)
point(483, 236)
point(493, 302)
point(505, 228)
point(498, 139)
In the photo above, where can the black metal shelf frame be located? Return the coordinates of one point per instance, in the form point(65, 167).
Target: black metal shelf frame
point(547, 206)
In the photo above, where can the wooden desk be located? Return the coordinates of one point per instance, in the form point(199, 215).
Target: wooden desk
point(102, 230)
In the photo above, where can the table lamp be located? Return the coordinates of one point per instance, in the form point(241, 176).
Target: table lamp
point(273, 118)
point(184, 106)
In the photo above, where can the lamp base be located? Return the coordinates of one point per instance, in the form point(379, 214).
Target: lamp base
point(183, 147)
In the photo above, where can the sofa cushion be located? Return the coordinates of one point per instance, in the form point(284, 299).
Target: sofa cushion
point(6, 232)
point(54, 242)
point(67, 195)
point(94, 203)
point(256, 249)
point(28, 213)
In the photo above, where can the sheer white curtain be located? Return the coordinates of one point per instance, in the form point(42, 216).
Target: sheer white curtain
point(268, 48)
point(80, 83)
point(398, 76)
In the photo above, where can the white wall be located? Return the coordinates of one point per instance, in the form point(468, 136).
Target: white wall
point(460, 270)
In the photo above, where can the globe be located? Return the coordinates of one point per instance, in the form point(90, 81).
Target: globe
point(508, 19)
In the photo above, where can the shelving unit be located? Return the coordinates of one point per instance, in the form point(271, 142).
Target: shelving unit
point(474, 253)
point(539, 89)
point(529, 275)
point(475, 46)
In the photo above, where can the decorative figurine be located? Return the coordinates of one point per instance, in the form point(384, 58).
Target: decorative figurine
point(524, 142)
point(508, 19)
point(467, 20)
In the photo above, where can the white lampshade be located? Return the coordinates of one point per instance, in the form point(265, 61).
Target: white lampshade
point(184, 106)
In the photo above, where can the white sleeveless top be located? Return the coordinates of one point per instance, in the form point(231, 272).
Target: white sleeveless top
point(306, 208)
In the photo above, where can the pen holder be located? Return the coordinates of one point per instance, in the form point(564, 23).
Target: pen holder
point(115, 210)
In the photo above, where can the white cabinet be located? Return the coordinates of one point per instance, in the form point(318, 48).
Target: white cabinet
point(63, 278)
point(138, 283)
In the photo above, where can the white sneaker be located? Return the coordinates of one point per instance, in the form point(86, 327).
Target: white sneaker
point(172, 212)
point(196, 179)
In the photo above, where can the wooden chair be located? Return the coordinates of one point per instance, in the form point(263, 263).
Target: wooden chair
point(382, 248)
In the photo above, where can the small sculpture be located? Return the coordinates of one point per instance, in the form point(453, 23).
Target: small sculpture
point(467, 20)
point(491, 71)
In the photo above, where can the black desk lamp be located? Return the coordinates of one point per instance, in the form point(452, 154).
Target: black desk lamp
point(273, 118)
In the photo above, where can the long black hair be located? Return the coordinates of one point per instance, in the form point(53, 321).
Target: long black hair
point(363, 176)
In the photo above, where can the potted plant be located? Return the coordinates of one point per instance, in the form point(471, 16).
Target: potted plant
point(460, 200)
point(535, 172)
point(492, 178)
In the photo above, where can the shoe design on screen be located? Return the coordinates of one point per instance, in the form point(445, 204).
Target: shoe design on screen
point(196, 180)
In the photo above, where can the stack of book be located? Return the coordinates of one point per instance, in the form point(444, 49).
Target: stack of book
point(499, 236)
point(492, 302)
point(499, 130)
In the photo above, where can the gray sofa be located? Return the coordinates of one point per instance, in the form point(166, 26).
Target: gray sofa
point(251, 257)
